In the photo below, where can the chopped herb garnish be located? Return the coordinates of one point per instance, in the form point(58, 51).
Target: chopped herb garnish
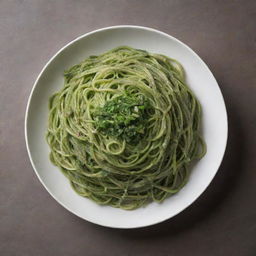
point(124, 117)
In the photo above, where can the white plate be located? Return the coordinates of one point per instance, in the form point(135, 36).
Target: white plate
point(199, 78)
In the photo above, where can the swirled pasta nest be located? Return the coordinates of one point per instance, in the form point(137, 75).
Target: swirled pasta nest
point(125, 128)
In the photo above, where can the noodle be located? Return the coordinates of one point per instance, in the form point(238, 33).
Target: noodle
point(125, 128)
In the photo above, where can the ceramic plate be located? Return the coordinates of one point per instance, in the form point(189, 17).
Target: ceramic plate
point(199, 78)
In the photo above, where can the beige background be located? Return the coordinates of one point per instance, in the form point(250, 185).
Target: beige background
point(222, 221)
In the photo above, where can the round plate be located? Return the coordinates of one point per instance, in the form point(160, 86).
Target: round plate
point(199, 78)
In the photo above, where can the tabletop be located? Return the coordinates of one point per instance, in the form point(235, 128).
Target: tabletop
point(222, 221)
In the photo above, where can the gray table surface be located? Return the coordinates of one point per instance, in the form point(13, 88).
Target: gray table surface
point(222, 221)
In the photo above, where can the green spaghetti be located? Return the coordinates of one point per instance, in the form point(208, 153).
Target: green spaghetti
point(125, 128)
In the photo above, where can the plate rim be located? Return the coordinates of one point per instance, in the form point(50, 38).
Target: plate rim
point(225, 136)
